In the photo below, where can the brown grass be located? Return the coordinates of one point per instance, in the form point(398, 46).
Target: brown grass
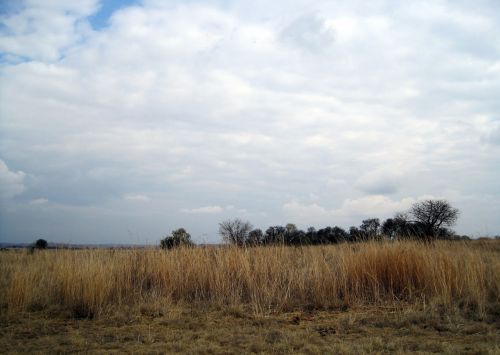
point(210, 329)
point(268, 279)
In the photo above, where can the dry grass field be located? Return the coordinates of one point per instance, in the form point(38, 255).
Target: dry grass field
point(349, 298)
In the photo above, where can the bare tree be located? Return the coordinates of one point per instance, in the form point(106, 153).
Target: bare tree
point(433, 215)
point(235, 231)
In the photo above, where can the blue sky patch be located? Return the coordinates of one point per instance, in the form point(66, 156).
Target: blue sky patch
point(100, 19)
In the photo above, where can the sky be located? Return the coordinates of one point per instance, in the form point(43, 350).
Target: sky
point(123, 120)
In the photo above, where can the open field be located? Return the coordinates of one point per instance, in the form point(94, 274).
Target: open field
point(349, 298)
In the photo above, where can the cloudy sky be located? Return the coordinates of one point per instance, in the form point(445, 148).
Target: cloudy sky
point(122, 120)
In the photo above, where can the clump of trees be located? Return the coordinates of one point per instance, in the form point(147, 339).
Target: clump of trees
point(426, 220)
point(177, 238)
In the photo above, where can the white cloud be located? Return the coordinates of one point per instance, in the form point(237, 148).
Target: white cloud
point(136, 197)
point(56, 22)
point(203, 210)
point(38, 201)
point(350, 210)
point(11, 182)
point(307, 212)
point(373, 205)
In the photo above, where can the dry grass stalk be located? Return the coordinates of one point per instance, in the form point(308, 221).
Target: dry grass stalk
point(90, 282)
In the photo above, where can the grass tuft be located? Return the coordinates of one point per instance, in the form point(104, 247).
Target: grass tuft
point(90, 283)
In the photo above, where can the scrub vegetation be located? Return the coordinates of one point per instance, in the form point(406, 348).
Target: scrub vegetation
point(271, 278)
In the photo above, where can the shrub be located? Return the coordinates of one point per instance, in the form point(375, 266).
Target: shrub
point(41, 244)
point(178, 238)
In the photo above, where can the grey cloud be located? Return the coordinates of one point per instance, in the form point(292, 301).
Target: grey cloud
point(379, 182)
point(309, 32)
point(494, 136)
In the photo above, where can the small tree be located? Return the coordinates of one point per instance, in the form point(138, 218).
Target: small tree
point(41, 244)
point(179, 237)
point(293, 236)
point(370, 227)
point(355, 235)
point(398, 227)
point(275, 235)
point(310, 236)
point(255, 237)
point(291, 228)
point(433, 215)
point(389, 228)
point(323, 235)
point(338, 235)
point(235, 231)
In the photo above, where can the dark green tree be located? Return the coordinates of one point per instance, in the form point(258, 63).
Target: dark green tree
point(255, 237)
point(275, 235)
point(179, 237)
point(41, 244)
point(370, 228)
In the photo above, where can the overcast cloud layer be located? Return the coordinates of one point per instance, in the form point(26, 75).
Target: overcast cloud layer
point(185, 114)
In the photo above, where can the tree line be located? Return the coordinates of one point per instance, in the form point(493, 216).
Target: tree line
point(426, 220)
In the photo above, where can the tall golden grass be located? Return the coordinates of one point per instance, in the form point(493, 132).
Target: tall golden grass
point(90, 282)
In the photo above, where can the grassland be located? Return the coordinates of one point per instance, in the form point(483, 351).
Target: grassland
point(349, 298)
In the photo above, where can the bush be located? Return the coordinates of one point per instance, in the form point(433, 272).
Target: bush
point(178, 238)
point(41, 244)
